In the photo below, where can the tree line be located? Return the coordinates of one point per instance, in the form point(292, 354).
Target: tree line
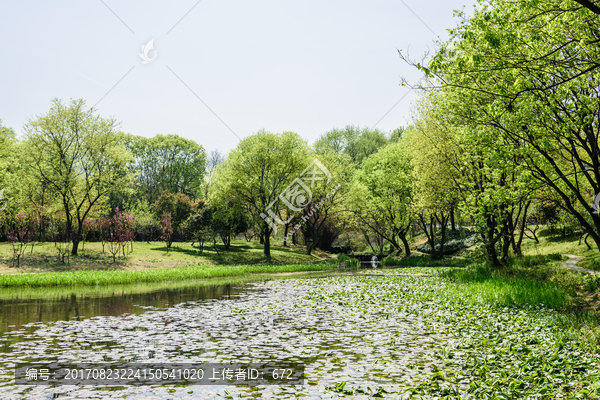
point(73, 176)
point(503, 138)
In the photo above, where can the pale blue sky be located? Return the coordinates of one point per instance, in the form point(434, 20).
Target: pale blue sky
point(304, 66)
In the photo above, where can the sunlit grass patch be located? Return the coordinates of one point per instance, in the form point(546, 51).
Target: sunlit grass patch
point(42, 257)
point(508, 287)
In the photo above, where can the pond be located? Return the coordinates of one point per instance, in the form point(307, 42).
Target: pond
point(360, 336)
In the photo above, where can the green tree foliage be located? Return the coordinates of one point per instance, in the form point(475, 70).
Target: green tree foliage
point(357, 143)
point(326, 198)
point(463, 166)
point(436, 170)
point(229, 218)
point(7, 151)
point(381, 195)
point(529, 73)
point(177, 205)
point(167, 162)
point(199, 226)
point(9, 168)
point(258, 171)
point(396, 134)
point(76, 156)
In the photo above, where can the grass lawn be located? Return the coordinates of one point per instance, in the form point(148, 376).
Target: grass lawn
point(149, 256)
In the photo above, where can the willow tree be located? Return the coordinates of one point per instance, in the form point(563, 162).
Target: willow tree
point(8, 161)
point(358, 143)
point(381, 196)
point(167, 162)
point(434, 180)
point(327, 196)
point(530, 73)
point(486, 179)
point(261, 172)
point(76, 155)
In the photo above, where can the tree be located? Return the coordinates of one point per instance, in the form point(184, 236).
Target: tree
point(7, 149)
point(177, 205)
point(434, 176)
point(229, 218)
point(214, 159)
point(263, 172)
point(77, 156)
point(9, 167)
point(119, 233)
point(382, 194)
point(19, 235)
point(167, 162)
point(199, 226)
point(529, 72)
point(352, 140)
point(167, 230)
point(326, 198)
point(463, 166)
point(396, 134)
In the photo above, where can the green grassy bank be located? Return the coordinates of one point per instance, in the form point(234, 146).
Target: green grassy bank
point(117, 277)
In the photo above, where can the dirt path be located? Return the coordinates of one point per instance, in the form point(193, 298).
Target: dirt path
point(571, 263)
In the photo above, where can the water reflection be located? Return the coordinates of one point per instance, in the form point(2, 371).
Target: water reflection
point(21, 309)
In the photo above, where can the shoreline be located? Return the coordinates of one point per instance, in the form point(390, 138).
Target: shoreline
point(120, 277)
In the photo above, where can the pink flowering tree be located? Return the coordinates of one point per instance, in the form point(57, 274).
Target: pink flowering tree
point(120, 233)
point(167, 230)
point(126, 228)
point(62, 237)
point(102, 226)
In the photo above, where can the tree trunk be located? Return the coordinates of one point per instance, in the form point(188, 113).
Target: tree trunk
point(587, 235)
point(315, 237)
point(405, 243)
point(226, 239)
point(267, 244)
point(430, 234)
point(366, 236)
point(506, 239)
point(452, 224)
point(490, 242)
point(75, 246)
point(285, 233)
point(522, 227)
point(492, 256)
point(394, 246)
point(215, 246)
point(443, 236)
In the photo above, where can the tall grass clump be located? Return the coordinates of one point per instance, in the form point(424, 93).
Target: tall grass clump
point(423, 261)
point(508, 287)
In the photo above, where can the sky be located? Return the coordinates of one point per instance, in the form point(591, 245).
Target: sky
point(219, 70)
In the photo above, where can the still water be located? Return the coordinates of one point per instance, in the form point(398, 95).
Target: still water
point(20, 308)
point(342, 328)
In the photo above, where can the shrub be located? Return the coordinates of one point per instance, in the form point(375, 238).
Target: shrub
point(345, 261)
point(19, 236)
